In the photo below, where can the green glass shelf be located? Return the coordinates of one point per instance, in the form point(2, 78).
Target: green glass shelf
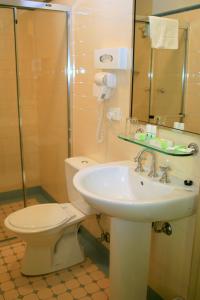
point(147, 145)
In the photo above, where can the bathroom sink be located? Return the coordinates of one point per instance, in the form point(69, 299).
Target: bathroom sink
point(133, 201)
point(117, 190)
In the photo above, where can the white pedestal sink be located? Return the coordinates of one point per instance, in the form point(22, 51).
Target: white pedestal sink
point(134, 202)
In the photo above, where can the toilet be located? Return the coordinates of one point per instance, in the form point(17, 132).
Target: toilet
point(51, 230)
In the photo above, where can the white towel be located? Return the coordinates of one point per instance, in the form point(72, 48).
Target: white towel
point(163, 33)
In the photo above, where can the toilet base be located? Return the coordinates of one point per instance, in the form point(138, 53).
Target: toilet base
point(53, 252)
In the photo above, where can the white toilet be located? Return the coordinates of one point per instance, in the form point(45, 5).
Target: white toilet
point(50, 230)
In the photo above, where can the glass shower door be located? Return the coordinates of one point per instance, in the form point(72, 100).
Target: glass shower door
point(11, 185)
point(33, 109)
point(42, 63)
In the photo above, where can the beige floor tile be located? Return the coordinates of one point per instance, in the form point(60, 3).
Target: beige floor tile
point(33, 279)
point(38, 285)
point(78, 293)
point(4, 277)
point(20, 281)
point(15, 273)
point(92, 288)
point(103, 283)
point(72, 284)
point(25, 290)
point(78, 271)
point(65, 296)
point(31, 297)
point(6, 286)
point(7, 252)
point(10, 259)
point(97, 275)
point(19, 250)
point(53, 280)
point(4, 247)
point(1, 260)
point(44, 294)
point(11, 295)
point(20, 255)
point(3, 269)
point(99, 296)
point(13, 266)
point(91, 268)
point(107, 291)
point(65, 275)
point(84, 281)
point(59, 289)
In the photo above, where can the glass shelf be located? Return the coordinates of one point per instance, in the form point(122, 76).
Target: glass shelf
point(147, 145)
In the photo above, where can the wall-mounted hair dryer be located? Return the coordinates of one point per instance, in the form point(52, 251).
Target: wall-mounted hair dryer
point(104, 83)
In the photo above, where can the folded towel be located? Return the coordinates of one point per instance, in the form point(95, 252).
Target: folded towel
point(163, 33)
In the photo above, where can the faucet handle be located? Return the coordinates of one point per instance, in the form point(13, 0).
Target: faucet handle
point(139, 167)
point(165, 168)
point(138, 158)
point(164, 176)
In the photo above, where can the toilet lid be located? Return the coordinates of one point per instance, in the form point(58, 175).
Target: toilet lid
point(39, 216)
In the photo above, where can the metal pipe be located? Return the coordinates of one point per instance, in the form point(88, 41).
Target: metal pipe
point(19, 110)
point(141, 19)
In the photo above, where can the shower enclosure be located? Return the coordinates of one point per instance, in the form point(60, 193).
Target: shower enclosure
point(34, 105)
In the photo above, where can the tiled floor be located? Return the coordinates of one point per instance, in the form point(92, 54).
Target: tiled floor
point(84, 281)
point(5, 210)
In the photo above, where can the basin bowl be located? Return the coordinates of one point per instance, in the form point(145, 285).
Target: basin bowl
point(117, 190)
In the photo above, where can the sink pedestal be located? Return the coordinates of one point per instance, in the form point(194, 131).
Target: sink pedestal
point(129, 260)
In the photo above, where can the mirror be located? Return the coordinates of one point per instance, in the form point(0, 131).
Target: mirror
point(166, 82)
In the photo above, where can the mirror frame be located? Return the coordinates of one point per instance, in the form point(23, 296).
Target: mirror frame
point(167, 13)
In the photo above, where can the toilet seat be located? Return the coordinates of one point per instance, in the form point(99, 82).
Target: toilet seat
point(42, 217)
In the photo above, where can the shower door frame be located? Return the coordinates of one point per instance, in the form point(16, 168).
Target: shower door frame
point(33, 5)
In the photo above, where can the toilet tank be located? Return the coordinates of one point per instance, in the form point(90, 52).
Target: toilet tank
point(72, 166)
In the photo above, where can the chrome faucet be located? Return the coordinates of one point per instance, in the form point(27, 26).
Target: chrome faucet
point(139, 158)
